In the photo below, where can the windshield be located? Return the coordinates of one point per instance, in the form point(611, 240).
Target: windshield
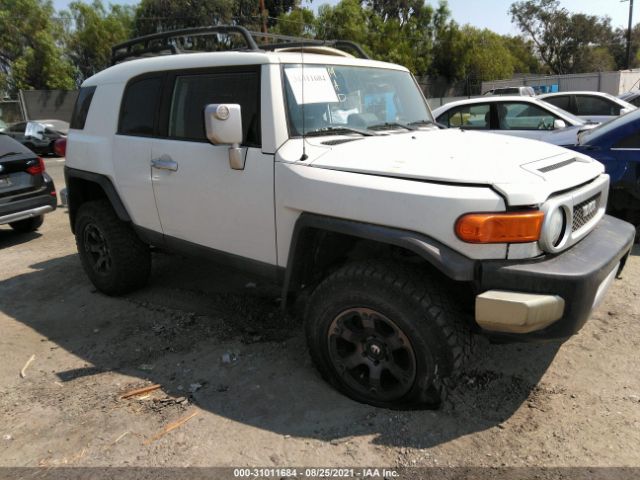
point(339, 99)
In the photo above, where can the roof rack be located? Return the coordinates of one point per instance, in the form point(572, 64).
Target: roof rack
point(217, 38)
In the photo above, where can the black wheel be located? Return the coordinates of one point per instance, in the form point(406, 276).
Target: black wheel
point(114, 258)
point(386, 335)
point(28, 224)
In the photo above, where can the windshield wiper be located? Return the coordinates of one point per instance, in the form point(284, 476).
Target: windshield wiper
point(425, 122)
point(338, 131)
point(390, 125)
point(8, 154)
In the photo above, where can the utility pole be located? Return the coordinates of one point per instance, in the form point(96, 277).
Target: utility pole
point(629, 34)
point(264, 18)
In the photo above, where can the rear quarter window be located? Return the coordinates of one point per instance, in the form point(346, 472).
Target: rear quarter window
point(81, 108)
point(140, 106)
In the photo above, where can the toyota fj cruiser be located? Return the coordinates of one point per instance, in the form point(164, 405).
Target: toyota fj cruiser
point(325, 172)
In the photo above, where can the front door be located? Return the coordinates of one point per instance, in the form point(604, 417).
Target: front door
point(200, 199)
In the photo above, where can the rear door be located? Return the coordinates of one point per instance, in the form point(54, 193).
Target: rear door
point(137, 126)
point(595, 108)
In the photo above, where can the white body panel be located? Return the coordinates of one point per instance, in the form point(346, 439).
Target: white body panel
point(409, 205)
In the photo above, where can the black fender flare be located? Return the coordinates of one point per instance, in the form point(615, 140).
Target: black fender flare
point(103, 182)
point(451, 263)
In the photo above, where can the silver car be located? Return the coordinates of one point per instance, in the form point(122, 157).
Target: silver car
point(590, 106)
point(519, 116)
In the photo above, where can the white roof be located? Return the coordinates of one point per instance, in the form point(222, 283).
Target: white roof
point(122, 72)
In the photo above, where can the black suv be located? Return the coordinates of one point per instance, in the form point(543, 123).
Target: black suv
point(26, 191)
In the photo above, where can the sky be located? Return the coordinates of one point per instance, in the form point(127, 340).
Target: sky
point(490, 14)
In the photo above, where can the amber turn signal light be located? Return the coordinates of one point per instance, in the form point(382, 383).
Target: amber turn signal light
point(509, 227)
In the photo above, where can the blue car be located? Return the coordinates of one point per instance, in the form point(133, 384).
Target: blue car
point(616, 144)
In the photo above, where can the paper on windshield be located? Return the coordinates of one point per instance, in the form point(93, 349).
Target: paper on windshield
point(318, 87)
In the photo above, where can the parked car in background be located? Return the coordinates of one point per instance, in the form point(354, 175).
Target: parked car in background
point(632, 97)
point(616, 144)
point(26, 191)
point(590, 106)
point(523, 91)
point(38, 136)
point(517, 116)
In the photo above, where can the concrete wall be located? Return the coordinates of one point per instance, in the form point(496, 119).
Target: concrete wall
point(614, 83)
point(48, 104)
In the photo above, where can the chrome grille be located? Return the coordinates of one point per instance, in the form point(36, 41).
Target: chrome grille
point(584, 211)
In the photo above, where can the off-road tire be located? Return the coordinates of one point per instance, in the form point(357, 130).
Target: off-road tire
point(129, 258)
point(28, 224)
point(417, 305)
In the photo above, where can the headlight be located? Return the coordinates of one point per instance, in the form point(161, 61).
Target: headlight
point(556, 226)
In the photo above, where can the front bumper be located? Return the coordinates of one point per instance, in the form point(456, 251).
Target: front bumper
point(579, 276)
point(28, 206)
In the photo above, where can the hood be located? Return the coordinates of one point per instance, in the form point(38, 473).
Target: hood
point(525, 171)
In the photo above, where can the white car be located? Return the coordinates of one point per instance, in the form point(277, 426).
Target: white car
point(325, 174)
point(591, 106)
point(513, 115)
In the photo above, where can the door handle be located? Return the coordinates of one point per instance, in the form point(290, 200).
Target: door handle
point(164, 163)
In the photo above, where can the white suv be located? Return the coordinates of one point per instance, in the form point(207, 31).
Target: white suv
point(326, 174)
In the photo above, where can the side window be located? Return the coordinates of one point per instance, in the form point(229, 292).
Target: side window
point(561, 101)
point(524, 116)
point(630, 141)
point(192, 93)
point(588, 105)
point(471, 117)
point(140, 105)
point(81, 108)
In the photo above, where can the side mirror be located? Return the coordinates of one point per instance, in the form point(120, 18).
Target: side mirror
point(559, 124)
point(223, 124)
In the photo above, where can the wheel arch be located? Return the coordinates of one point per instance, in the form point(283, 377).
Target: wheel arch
point(83, 186)
point(320, 242)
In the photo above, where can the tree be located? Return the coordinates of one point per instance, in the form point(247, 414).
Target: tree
point(564, 41)
point(471, 54)
point(299, 22)
point(91, 32)
point(162, 15)
point(31, 54)
point(523, 54)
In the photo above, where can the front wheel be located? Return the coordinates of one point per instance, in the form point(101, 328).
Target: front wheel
point(385, 334)
point(112, 255)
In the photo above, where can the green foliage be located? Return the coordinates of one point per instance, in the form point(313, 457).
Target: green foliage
point(161, 15)
point(91, 31)
point(299, 22)
point(31, 53)
point(564, 41)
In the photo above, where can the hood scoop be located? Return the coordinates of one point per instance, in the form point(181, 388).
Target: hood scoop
point(555, 166)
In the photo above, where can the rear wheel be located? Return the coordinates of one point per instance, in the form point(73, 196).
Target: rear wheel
point(386, 335)
point(28, 225)
point(112, 255)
